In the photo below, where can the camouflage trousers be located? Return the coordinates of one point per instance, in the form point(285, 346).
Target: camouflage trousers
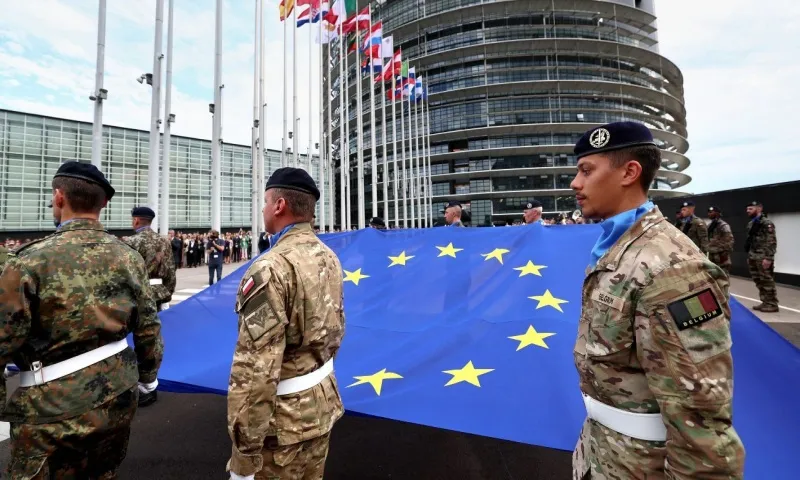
point(300, 461)
point(764, 280)
point(722, 260)
point(89, 446)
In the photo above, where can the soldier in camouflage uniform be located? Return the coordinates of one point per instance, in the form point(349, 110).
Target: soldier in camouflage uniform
point(283, 399)
point(3, 256)
point(653, 337)
point(76, 294)
point(694, 227)
point(761, 245)
point(720, 240)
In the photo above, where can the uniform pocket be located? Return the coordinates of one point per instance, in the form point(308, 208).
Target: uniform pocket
point(283, 456)
point(29, 468)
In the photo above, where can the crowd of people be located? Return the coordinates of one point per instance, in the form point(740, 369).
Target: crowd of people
point(191, 250)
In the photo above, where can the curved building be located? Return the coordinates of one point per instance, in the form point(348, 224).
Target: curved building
point(513, 84)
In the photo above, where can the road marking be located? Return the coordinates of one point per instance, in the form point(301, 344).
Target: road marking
point(179, 298)
point(754, 300)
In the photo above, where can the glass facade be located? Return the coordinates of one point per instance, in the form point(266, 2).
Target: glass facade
point(512, 86)
point(32, 147)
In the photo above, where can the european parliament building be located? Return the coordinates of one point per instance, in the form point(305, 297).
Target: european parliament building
point(33, 146)
point(512, 86)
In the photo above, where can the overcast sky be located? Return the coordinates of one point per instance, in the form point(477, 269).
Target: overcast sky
point(739, 58)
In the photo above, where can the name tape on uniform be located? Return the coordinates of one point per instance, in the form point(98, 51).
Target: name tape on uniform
point(695, 309)
point(606, 298)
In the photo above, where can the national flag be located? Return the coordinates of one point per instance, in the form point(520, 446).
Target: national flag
point(408, 83)
point(303, 17)
point(492, 316)
point(393, 68)
point(419, 89)
point(377, 66)
point(285, 8)
point(357, 22)
point(387, 47)
point(320, 10)
point(373, 38)
point(336, 15)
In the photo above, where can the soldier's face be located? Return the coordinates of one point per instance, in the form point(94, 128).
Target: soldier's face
point(713, 215)
point(686, 212)
point(752, 212)
point(598, 186)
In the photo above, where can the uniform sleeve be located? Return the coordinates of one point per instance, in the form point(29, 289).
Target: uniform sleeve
point(726, 238)
point(256, 370)
point(770, 241)
point(702, 233)
point(147, 341)
point(17, 288)
point(683, 344)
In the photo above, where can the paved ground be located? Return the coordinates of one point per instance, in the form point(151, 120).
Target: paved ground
point(184, 435)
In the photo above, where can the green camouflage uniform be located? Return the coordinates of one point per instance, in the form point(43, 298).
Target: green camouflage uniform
point(762, 244)
point(3, 256)
point(157, 253)
point(654, 337)
point(720, 244)
point(696, 229)
point(71, 292)
point(291, 321)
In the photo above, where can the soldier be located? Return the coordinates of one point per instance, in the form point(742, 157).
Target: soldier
point(694, 227)
point(720, 240)
point(377, 223)
point(533, 212)
point(653, 346)
point(3, 256)
point(761, 245)
point(452, 214)
point(67, 303)
point(283, 398)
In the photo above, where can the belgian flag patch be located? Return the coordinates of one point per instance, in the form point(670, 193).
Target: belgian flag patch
point(695, 310)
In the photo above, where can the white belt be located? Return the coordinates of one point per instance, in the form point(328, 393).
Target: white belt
point(644, 426)
point(304, 382)
point(40, 375)
point(156, 281)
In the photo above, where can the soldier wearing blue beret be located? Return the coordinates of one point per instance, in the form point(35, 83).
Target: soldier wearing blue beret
point(654, 332)
point(67, 304)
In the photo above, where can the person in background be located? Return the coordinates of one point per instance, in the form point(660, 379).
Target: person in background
point(377, 223)
point(761, 246)
point(452, 215)
point(720, 240)
point(533, 213)
point(693, 227)
point(215, 247)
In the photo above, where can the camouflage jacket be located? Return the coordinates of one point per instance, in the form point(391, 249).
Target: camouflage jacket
point(157, 253)
point(3, 256)
point(71, 292)
point(291, 321)
point(697, 230)
point(720, 242)
point(761, 240)
point(654, 337)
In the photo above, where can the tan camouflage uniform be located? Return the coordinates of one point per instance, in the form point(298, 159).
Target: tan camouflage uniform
point(291, 321)
point(720, 244)
point(637, 351)
point(157, 253)
point(762, 244)
point(697, 230)
point(71, 292)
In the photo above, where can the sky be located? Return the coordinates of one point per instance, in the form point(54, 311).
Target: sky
point(738, 57)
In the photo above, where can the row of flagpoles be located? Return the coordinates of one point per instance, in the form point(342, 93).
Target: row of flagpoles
point(408, 174)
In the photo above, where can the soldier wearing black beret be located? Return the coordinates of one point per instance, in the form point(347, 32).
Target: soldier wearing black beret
point(694, 227)
point(720, 240)
point(452, 214)
point(76, 293)
point(291, 324)
point(654, 313)
point(377, 222)
point(532, 212)
point(761, 246)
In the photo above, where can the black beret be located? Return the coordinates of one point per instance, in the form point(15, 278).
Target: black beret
point(143, 212)
point(688, 203)
point(754, 203)
point(451, 203)
point(613, 136)
point(377, 221)
point(533, 204)
point(88, 172)
point(293, 179)
point(714, 209)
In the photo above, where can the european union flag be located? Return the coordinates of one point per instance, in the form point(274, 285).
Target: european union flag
point(472, 330)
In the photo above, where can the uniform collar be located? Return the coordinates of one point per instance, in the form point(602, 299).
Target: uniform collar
point(142, 228)
point(610, 261)
point(80, 224)
point(289, 230)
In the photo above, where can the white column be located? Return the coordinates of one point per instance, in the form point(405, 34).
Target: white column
point(216, 134)
point(155, 112)
point(99, 92)
point(166, 150)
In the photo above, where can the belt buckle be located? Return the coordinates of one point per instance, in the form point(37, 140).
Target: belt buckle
point(38, 374)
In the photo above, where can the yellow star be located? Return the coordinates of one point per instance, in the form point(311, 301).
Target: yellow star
point(548, 300)
point(531, 337)
point(496, 253)
point(530, 269)
point(449, 250)
point(400, 259)
point(376, 379)
point(467, 374)
point(354, 277)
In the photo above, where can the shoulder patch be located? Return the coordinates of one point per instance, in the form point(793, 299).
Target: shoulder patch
point(695, 309)
point(606, 298)
point(248, 285)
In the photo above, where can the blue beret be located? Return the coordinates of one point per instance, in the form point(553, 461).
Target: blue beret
point(87, 172)
point(293, 179)
point(688, 203)
point(613, 136)
point(144, 212)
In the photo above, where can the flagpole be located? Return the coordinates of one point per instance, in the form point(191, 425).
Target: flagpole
point(169, 117)
point(427, 187)
point(216, 134)
point(321, 157)
point(360, 124)
point(285, 84)
point(428, 141)
point(343, 140)
point(329, 141)
point(262, 128)
point(256, 110)
point(394, 148)
point(373, 156)
point(420, 162)
point(403, 159)
point(99, 92)
point(155, 112)
point(295, 125)
point(383, 132)
point(321, 167)
point(411, 165)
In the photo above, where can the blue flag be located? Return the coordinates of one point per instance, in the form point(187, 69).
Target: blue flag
point(472, 330)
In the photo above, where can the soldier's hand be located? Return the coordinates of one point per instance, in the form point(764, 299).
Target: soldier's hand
point(766, 264)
